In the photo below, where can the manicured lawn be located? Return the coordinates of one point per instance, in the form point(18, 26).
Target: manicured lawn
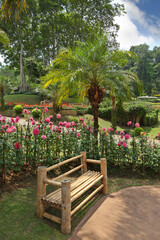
point(27, 99)
point(18, 212)
point(152, 131)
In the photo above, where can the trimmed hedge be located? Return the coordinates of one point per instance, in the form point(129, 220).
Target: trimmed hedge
point(152, 118)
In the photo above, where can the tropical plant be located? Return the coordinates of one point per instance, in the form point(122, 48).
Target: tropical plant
point(89, 70)
point(15, 7)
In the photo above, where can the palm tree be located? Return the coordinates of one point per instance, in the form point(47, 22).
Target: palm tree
point(4, 38)
point(90, 68)
point(13, 7)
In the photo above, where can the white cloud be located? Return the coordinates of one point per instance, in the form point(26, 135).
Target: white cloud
point(129, 34)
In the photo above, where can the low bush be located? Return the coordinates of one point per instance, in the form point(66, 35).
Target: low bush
point(18, 109)
point(151, 119)
point(138, 130)
point(36, 113)
point(105, 113)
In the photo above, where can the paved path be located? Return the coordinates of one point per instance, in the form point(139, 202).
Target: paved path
point(129, 214)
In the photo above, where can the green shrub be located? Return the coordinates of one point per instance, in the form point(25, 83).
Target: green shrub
point(151, 119)
point(18, 109)
point(74, 119)
point(121, 114)
point(136, 113)
point(105, 113)
point(138, 130)
point(36, 113)
point(89, 110)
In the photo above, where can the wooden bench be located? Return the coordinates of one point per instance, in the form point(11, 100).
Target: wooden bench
point(68, 191)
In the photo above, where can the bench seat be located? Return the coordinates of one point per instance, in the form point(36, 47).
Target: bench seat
point(77, 187)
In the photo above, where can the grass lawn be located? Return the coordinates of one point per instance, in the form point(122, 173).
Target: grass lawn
point(18, 212)
point(152, 131)
point(28, 99)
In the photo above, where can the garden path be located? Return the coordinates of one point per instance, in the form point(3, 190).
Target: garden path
point(129, 214)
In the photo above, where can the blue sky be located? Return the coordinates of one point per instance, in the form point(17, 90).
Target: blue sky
point(140, 25)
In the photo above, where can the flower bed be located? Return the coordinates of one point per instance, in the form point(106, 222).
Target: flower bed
point(45, 142)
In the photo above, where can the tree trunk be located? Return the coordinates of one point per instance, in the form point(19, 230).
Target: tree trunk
point(2, 100)
point(113, 113)
point(95, 118)
point(23, 81)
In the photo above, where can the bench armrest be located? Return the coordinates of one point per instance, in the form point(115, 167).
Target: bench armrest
point(53, 183)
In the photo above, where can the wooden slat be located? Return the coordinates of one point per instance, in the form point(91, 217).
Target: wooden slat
point(79, 186)
point(86, 188)
point(93, 161)
point(57, 194)
point(86, 200)
point(69, 172)
point(86, 183)
point(52, 217)
point(64, 162)
point(53, 183)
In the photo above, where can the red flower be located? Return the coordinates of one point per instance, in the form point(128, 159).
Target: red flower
point(36, 131)
point(17, 145)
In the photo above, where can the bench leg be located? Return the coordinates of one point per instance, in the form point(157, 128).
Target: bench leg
point(41, 190)
point(104, 173)
point(66, 206)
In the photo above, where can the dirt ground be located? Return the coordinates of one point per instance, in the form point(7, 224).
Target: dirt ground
point(129, 214)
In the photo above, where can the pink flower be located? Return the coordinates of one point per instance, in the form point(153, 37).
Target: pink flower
point(17, 145)
point(104, 129)
point(121, 142)
point(122, 136)
point(116, 132)
point(81, 120)
point(121, 133)
point(46, 109)
point(73, 123)
point(50, 123)
point(72, 129)
point(9, 130)
point(153, 146)
point(33, 122)
point(68, 125)
point(60, 123)
point(78, 135)
point(12, 120)
point(25, 111)
point(110, 129)
point(118, 144)
point(159, 134)
point(58, 116)
point(124, 144)
point(129, 123)
point(36, 131)
point(13, 128)
point(47, 120)
point(51, 116)
point(31, 118)
point(17, 119)
point(6, 126)
point(127, 136)
point(43, 137)
point(137, 125)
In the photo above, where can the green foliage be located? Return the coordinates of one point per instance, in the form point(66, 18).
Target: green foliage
point(105, 113)
point(36, 113)
point(136, 113)
point(151, 118)
point(18, 109)
point(138, 130)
